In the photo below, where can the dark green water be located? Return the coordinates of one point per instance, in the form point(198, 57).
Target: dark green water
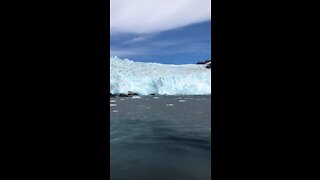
point(160, 138)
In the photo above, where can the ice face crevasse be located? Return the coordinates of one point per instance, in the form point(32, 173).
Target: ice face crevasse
point(154, 78)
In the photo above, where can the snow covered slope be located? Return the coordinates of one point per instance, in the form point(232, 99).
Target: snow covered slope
point(147, 78)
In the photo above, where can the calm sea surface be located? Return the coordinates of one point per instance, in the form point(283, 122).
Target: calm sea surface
point(160, 138)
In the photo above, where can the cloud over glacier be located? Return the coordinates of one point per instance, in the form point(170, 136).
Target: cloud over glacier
point(149, 16)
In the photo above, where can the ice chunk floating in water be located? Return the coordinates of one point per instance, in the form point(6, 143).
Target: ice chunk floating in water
point(147, 78)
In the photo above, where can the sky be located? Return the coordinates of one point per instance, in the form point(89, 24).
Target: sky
point(164, 31)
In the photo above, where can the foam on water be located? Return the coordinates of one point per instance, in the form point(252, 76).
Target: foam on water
point(147, 78)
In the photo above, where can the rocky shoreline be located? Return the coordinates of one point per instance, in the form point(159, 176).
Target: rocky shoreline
point(129, 94)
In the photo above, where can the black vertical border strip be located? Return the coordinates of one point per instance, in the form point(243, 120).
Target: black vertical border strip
point(63, 79)
point(217, 46)
point(102, 51)
point(106, 93)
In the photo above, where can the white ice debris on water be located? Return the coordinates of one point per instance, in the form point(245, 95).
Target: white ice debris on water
point(155, 78)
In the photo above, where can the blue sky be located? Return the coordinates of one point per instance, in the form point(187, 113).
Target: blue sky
point(161, 30)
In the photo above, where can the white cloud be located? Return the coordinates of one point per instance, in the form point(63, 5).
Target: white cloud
point(149, 16)
point(127, 52)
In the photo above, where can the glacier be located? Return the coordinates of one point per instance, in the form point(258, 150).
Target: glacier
point(155, 78)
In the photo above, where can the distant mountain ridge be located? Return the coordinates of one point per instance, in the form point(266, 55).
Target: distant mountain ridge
point(207, 63)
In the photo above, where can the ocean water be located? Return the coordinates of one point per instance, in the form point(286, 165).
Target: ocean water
point(160, 138)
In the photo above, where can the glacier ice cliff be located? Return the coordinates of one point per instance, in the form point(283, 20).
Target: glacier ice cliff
point(155, 78)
